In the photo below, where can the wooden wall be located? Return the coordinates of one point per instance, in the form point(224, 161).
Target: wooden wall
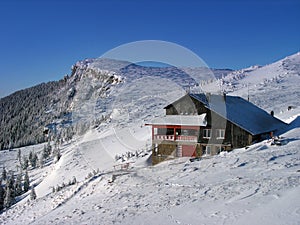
point(234, 135)
point(186, 106)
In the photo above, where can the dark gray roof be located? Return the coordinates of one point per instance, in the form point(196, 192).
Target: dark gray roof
point(241, 113)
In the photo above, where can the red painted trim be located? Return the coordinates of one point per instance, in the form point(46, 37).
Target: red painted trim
point(174, 133)
point(176, 127)
point(152, 133)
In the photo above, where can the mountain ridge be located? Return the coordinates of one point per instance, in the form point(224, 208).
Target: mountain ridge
point(103, 79)
point(114, 182)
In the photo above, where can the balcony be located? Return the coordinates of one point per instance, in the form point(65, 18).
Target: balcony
point(162, 137)
point(187, 138)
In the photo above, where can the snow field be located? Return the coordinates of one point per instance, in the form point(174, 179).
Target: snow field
point(255, 185)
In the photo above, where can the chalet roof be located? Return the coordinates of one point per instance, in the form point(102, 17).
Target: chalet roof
point(240, 112)
point(181, 120)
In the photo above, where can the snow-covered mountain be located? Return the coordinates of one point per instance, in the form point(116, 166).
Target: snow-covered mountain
point(274, 83)
point(257, 185)
point(88, 94)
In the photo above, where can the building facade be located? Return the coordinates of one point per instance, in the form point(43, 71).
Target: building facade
point(206, 124)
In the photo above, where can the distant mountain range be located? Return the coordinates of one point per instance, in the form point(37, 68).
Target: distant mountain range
point(96, 85)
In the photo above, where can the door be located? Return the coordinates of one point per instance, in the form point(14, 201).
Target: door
point(188, 150)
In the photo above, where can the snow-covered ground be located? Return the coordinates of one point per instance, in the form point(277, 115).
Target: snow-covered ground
point(257, 185)
point(272, 87)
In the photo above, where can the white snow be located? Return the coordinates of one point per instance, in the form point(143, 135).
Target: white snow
point(183, 120)
point(255, 185)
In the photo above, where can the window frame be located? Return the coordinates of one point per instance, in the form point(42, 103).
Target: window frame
point(219, 133)
point(208, 149)
point(207, 131)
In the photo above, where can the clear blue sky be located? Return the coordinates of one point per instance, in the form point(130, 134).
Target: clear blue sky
point(40, 40)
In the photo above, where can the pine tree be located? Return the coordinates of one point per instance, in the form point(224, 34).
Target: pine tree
point(46, 151)
point(32, 194)
point(30, 156)
point(56, 154)
point(49, 149)
point(2, 193)
point(8, 200)
point(41, 161)
point(45, 148)
point(56, 144)
point(26, 182)
point(4, 174)
point(69, 134)
point(11, 184)
point(19, 156)
point(25, 163)
point(18, 185)
point(33, 159)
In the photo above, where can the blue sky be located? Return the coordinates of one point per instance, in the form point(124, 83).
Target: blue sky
point(40, 40)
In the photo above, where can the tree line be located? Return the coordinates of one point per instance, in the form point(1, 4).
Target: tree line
point(12, 186)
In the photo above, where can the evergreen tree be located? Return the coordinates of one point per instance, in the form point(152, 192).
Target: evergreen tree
point(19, 156)
point(44, 153)
point(30, 156)
point(33, 159)
point(41, 161)
point(11, 184)
point(69, 134)
point(25, 163)
point(49, 149)
point(56, 144)
point(8, 200)
point(18, 185)
point(2, 194)
point(4, 174)
point(26, 182)
point(56, 154)
point(32, 194)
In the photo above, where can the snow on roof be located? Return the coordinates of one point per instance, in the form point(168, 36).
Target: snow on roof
point(241, 113)
point(181, 120)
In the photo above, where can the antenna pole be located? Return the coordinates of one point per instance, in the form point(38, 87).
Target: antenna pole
point(248, 91)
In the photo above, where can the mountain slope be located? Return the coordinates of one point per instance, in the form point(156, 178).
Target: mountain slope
point(22, 115)
point(259, 184)
point(85, 96)
point(275, 83)
point(256, 185)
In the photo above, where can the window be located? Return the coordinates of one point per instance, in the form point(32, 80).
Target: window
point(220, 149)
point(189, 132)
point(206, 133)
point(208, 150)
point(165, 131)
point(220, 134)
